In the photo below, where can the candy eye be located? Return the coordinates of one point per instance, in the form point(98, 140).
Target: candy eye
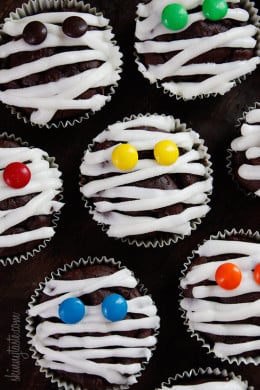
point(71, 310)
point(228, 276)
point(34, 33)
point(257, 273)
point(166, 152)
point(114, 307)
point(74, 27)
point(16, 175)
point(174, 16)
point(214, 9)
point(124, 156)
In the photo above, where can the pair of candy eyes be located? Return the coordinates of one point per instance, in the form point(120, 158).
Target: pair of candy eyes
point(36, 32)
point(229, 275)
point(175, 16)
point(125, 156)
point(72, 310)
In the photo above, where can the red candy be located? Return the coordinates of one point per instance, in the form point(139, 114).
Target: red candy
point(228, 276)
point(257, 273)
point(16, 175)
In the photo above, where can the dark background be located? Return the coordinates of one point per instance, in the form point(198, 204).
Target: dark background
point(78, 236)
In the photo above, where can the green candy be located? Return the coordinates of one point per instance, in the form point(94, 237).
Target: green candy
point(214, 9)
point(174, 16)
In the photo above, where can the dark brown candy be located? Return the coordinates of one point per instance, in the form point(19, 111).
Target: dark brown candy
point(34, 33)
point(74, 26)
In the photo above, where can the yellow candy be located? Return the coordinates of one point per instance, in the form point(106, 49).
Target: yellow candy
point(124, 157)
point(166, 152)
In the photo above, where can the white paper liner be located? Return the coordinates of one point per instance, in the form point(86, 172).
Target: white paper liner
point(200, 372)
point(173, 238)
point(30, 321)
point(199, 335)
point(231, 153)
point(12, 259)
point(254, 18)
point(37, 6)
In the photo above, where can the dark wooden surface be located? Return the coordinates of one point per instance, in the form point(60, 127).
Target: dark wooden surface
point(78, 236)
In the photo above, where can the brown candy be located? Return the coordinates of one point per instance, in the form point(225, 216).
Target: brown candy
point(74, 26)
point(34, 33)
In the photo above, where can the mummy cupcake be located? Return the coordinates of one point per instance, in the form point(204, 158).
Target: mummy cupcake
point(29, 199)
point(201, 379)
point(196, 48)
point(92, 326)
point(221, 296)
point(147, 180)
point(58, 61)
point(244, 156)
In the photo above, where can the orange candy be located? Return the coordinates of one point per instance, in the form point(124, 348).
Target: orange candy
point(257, 273)
point(228, 276)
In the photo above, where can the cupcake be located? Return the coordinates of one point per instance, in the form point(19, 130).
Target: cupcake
point(210, 379)
point(221, 295)
point(147, 180)
point(244, 156)
point(30, 199)
point(59, 62)
point(92, 325)
point(196, 48)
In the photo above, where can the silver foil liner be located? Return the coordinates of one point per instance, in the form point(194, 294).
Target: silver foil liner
point(30, 321)
point(231, 153)
point(10, 260)
point(37, 6)
point(173, 238)
point(198, 335)
point(254, 18)
point(201, 372)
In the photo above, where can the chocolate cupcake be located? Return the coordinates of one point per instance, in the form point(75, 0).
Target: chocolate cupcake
point(196, 48)
point(92, 325)
point(147, 180)
point(210, 379)
point(30, 199)
point(221, 295)
point(244, 155)
point(59, 62)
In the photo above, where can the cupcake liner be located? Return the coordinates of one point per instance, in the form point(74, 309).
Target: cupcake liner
point(12, 259)
point(30, 321)
point(255, 20)
point(37, 6)
point(231, 153)
point(200, 372)
point(173, 238)
point(199, 336)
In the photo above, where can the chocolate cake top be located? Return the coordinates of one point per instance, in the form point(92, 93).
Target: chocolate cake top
point(221, 290)
point(249, 144)
point(131, 201)
point(178, 57)
point(49, 43)
point(99, 342)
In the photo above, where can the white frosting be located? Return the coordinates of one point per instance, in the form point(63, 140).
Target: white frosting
point(83, 349)
point(114, 214)
point(220, 76)
point(46, 99)
point(249, 142)
point(204, 314)
point(45, 182)
point(232, 384)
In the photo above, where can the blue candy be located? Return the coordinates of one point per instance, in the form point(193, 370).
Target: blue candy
point(114, 307)
point(71, 310)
